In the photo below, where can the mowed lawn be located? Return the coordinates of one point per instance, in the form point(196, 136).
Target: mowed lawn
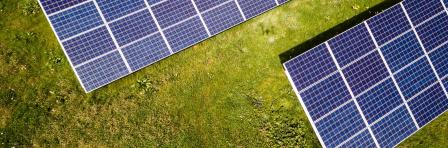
point(228, 91)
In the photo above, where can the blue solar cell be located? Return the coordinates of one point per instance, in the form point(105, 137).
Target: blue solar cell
point(445, 83)
point(154, 2)
point(173, 11)
point(394, 128)
point(325, 96)
point(389, 24)
point(223, 17)
point(186, 34)
point(282, 1)
point(415, 78)
point(351, 45)
point(364, 139)
point(67, 23)
point(133, 27)
point(311, 67)
point(204, 5)
point(379, 101)
point(440, 61)
point(402, 51)
point(51, 6)
point(102, 71)
point(429, 105)
point(365, 73)
point(419, 10)
point(340, 125)
point(252, 8)
point(146, 51)
point(89, 45)
point(114, 9)
point(434, 32)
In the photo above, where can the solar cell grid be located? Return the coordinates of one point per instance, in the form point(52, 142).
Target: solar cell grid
point(445, 82)
point(185, 34)
point(171, 12)
point(282, 1)
point(419, 10)
point(434, 32)
point(129, 23)
point(326, 96)
point(114, 9)
point(340, 125)
point(387, 25)
point(133, 27)
point(89, 45)
point(425, 109)
point(352, 44)
point(415, 78)
point(67, 23)
point(440, 60)
point(252, 8)
point(223, 17)
point(51, 6)
point(145, 52)
point(394, 127)
point(402, 51)
point(204, 5)
point(399, 87)
point(365, 73)
point(380, 100)
point(102, 70)
point(153, 2)
point(311, 66)
point(363, 139)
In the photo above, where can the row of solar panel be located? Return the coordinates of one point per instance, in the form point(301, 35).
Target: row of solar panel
point(91, 48)
point(328, 100)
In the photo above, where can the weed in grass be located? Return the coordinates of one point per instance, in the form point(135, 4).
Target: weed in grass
point(30, 7)
point(148, 85)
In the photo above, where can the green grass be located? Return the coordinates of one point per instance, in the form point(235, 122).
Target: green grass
point(228, 91)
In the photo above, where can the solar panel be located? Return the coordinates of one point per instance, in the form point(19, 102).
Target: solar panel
point(105, 40)
point(379, 82)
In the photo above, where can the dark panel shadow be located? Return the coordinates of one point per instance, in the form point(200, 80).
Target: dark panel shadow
point(307, 45)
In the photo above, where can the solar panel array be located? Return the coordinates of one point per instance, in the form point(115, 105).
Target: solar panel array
point(105, 40)
point(379, 82)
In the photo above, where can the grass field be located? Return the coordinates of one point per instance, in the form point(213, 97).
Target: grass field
point(229, 91)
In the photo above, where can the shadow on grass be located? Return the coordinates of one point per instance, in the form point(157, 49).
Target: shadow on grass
point(309, 44)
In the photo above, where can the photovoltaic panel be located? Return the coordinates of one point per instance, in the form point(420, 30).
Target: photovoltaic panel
point(379, 82)
point(420, 11)
point(426, 31)
point(440, 60)
point(351, 44)
point(365, 73)
point(67, 23)
point(416, 77)
point(379, 100)
point(51, 6)
point(105, 40)
point(332, 125)
point(445, 83)
point(363, 139)
point(386, 26)
point(428, 105)
point(394, 127)
point(89, 45)
point(402, 51)
point(326, 96)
